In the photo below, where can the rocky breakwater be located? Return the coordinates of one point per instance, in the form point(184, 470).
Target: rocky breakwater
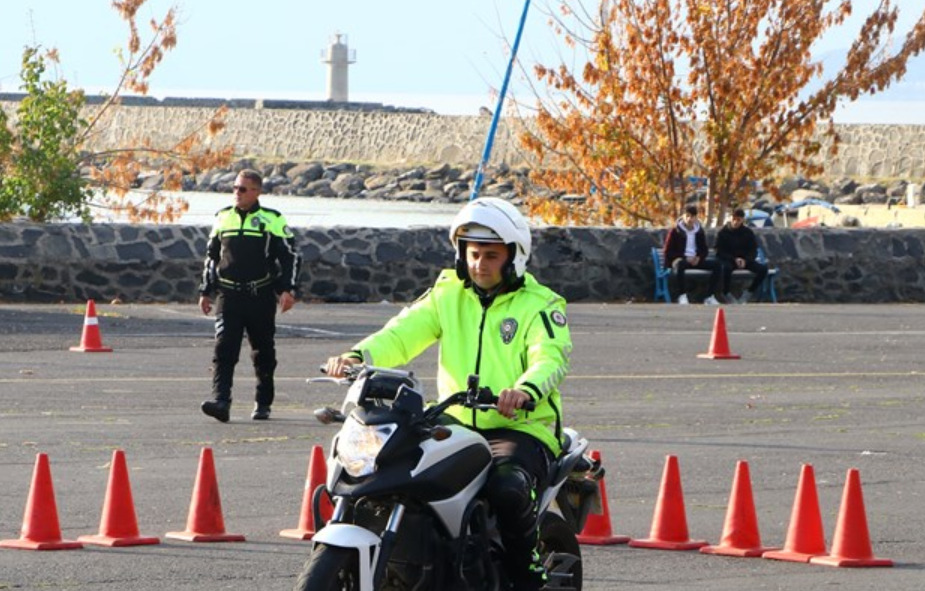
point(438, 183)
point(448, 183)
point(845, 202)
point(847, 191)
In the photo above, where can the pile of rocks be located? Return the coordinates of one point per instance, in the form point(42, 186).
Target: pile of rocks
point(443, 183)
point(453, 184)
point(844, 191)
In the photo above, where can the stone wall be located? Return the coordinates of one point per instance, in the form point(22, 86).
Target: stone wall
point(303, 131)
point(374, 136)
point(879, 151)
point(301, 135)
point(72, 263)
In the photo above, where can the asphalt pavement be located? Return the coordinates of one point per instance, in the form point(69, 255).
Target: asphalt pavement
point(833, 386)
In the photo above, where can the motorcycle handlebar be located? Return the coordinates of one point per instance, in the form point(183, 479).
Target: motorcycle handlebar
point(485, 399)
point(529, 405)
point(327, 379)
point(474, 397)
point(350, 374)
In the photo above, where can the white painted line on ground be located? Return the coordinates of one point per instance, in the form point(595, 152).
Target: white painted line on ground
point(723, 376)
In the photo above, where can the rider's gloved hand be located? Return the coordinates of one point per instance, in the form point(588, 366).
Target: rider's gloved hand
point(336, 365)
point(510, 400)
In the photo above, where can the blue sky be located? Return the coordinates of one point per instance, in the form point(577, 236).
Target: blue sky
point(438, 54)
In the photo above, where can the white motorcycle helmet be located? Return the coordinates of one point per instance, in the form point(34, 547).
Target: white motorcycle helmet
point(489, 219)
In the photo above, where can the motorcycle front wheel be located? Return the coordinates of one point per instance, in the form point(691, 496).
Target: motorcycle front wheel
point(560, 553)
point(330, 568)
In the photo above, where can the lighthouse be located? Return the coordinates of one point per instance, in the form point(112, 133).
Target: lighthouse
point(338, 58)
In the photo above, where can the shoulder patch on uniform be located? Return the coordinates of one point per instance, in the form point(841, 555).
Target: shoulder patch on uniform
point(558, 318)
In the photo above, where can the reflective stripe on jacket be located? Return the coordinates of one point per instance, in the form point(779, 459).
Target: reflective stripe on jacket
point(521, 340)
point(251, 247)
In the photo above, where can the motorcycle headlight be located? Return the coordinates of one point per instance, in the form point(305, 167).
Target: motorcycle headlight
point(358, 445)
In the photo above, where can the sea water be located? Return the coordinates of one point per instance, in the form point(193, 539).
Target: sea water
point(302, 212)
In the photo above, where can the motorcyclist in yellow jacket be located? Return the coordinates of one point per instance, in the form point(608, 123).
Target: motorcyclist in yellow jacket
point(494, 319)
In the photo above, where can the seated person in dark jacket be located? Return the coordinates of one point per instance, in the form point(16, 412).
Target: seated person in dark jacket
point(736, 248)
point(686, 248)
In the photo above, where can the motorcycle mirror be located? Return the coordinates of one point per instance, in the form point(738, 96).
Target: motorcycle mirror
point(326, 416)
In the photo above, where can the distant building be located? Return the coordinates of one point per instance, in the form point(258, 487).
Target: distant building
point(338, 57)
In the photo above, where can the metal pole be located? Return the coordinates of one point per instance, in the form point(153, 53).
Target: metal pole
point(486, 153)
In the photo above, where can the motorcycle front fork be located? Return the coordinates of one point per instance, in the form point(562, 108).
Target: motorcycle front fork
point(388, 543)
point(382, 554)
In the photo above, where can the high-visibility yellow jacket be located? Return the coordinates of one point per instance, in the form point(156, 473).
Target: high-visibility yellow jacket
point(519, 340)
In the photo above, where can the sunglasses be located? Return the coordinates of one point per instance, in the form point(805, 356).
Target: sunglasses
point(241, 189)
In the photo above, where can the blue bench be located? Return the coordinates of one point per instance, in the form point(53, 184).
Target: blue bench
point(767, 292)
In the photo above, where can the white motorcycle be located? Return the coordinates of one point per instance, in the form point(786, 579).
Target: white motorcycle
point(406, 484)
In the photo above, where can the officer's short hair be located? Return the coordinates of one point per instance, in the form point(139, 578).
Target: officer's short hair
point(252, 175)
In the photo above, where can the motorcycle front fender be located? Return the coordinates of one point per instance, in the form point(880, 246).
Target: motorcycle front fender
point(346, 535)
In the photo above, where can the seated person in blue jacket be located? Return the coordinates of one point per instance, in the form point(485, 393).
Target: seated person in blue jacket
point(736, 248)
point(686, 248)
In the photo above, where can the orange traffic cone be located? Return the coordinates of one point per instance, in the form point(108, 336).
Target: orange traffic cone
point(669, 523)
point(740, 531)
point(90, 340)
point(118, 525)
point(851, 542)
point(316, 478)
point(805, 538)
point(597, 530)
point(719, 344)
point(205, 522)
point(40, 529)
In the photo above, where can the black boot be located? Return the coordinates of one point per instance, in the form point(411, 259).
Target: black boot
point(219, 409)
point(261, 412)
point(532, 578)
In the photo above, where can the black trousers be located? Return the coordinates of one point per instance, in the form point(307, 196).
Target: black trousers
point(680, 265)
point(519, 472)
point(237, 313)
point(760, 271)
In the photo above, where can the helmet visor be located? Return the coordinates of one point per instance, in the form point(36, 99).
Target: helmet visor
point(477, 233)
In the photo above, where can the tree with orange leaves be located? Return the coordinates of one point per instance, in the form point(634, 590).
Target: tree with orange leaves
point(727, 90)
point(43, 149)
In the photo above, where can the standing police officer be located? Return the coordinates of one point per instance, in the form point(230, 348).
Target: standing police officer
point(251, 262)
